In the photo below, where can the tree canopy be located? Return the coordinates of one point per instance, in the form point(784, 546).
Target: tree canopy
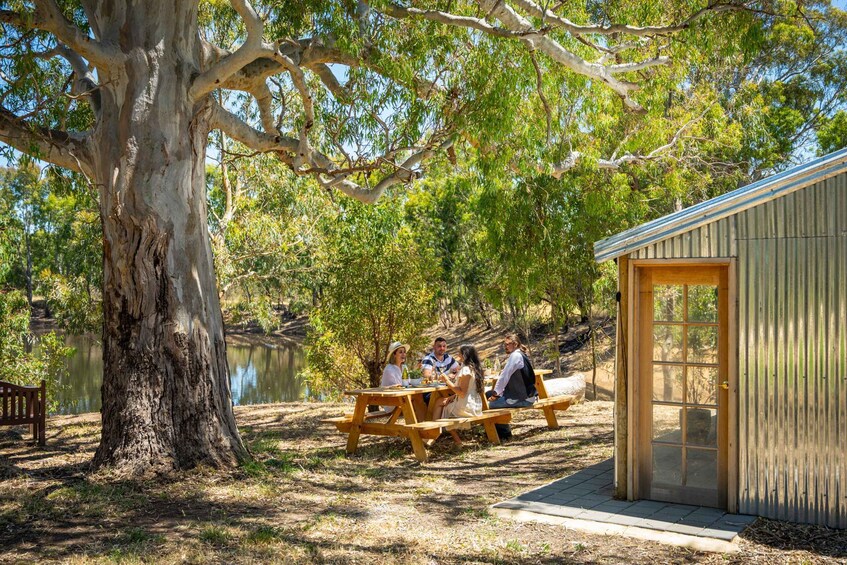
point(586, 116)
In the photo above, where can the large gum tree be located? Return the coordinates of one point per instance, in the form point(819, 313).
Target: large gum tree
point(356, 95)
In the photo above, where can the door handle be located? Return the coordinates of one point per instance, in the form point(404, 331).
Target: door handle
point(725, 385)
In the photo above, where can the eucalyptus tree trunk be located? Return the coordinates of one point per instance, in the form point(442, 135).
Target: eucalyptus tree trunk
point(166, 395)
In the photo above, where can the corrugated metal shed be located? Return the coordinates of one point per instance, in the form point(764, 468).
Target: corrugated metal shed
point(792, 356)
point(708, 212)
point(789, 237)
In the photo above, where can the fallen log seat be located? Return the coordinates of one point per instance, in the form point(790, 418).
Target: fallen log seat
point(22, 405)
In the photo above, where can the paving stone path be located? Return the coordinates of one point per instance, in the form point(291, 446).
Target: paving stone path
point(587, 495)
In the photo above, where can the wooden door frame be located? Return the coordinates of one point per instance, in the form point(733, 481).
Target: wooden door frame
point(632, 370)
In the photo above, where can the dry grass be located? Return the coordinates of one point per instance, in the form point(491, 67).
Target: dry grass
point(302, 500)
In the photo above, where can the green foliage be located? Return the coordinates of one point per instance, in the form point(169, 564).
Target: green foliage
point(500, 232)
point(52, 222)
point(376, 289)
point(18, 363)
point(832, 135)
point(74, 302)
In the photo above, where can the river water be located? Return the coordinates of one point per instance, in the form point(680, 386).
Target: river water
point(259, 374)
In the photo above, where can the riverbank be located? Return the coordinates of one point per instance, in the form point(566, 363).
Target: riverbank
point(303, 501)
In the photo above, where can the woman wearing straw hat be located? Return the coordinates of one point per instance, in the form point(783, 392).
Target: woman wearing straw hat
point(393, 373)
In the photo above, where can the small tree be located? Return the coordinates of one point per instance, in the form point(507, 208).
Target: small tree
point(377, 289)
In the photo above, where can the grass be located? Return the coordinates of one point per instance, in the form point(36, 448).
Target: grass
point(216, 535)
point(300, 500)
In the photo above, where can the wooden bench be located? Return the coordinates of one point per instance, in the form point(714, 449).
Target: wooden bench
point(488, 418)
point(548, 404)
point(368, 416)
point(22, 405)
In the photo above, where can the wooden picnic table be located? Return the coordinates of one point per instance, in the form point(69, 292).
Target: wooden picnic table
point(417, 424)
point(407, 402)
point(539, 380)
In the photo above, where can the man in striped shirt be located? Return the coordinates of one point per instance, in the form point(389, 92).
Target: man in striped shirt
point(439, 361)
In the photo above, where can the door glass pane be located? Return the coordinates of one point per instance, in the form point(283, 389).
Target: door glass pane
point(667, 464)
point(666, 423)
point(702, 344)
point(701, 426)
point(667, 302)
point(701, 385)
point(667, 343)
point(667, 383)
point(702, 303)
point(701, 468)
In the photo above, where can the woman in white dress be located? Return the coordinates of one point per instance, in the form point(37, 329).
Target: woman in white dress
point(466, 400)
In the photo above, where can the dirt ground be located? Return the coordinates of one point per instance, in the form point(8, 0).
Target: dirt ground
point(303, 501)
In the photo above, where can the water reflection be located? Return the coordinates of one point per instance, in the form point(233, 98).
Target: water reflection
point(259, 374)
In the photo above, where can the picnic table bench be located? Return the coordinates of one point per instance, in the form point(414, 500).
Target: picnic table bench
point(22, 405)
point(548, 404)
point(417, 425)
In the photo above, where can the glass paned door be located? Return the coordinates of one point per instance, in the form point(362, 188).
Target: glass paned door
point(682, 368)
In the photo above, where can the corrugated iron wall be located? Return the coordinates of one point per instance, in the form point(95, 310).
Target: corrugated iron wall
point(792, 322)
point(792, 367)
point(717, 239)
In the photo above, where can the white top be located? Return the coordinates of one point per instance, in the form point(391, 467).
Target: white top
point(391, 375)
point(467, 405)
point(514, 363)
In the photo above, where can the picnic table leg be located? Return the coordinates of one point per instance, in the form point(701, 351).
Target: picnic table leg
point(430, 408)
point(358, 419)
point(491, 432)
point(417, 445)
point(420, 407)
point(550, 414)
point(410, 415)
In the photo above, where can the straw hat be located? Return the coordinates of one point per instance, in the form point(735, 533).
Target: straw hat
point(395, 345)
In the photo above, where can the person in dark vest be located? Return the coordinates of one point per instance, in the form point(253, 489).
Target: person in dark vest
point(516, 384)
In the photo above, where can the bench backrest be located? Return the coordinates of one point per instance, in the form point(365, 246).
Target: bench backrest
point(22, 404)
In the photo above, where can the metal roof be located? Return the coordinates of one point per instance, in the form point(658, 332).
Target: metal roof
point(722, 206)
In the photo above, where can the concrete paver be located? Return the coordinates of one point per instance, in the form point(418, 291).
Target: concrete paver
point(587, 495)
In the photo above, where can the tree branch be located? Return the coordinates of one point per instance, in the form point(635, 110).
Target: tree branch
point(517, 27)
point(84, 83)
point(226, 67)
point(49, 17)
point(264, 99)
point(312, 54)
point(553, 19)
point(615, 162)
point(322, 167)
point(328, 79)
point(299, 80)
point(68, 150)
